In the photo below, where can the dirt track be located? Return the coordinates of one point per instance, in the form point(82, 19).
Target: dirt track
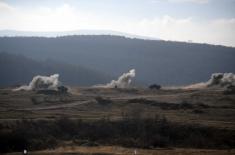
point(216, 109)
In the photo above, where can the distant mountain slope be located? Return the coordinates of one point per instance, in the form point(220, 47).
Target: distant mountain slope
point(155, 61)
point(14, 33)
point(17, 69)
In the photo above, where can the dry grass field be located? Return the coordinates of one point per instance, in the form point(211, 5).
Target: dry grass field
point(207, 108)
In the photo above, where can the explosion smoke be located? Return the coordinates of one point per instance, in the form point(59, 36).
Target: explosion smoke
point(220, 80)
point(42, 83)
point(123, 81)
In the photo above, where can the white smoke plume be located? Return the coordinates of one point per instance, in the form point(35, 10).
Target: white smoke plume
point(222, 79)
point(219, 80)
point(42, 83)
point(123, 81)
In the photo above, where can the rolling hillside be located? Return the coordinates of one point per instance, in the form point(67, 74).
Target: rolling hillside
point(17, 69)
point(155, 61)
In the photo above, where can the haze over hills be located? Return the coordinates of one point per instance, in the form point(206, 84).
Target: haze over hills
point(14, 33)
point(155, 61)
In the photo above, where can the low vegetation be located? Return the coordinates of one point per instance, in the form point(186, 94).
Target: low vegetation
point(166, 105)
point(128, 132)
point(100, 100)
point(155, 86)
point(133, 118)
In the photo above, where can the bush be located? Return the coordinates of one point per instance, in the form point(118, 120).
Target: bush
point(100, 100)
point(186, 105)
point(12, 141)
point(37, 99)
point(198, 111)
point(155, 86)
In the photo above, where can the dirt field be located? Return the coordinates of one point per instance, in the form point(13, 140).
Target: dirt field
point(207, 107)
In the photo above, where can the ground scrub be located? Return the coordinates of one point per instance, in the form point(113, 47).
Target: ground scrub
point(163, 105)
point(128, 132)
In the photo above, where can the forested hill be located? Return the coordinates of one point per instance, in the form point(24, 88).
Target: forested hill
point(17, 70)
point(155, 61)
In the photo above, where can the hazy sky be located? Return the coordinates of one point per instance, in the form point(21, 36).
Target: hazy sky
point(209, 21)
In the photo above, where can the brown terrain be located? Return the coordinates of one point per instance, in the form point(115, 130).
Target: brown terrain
point(210, 108)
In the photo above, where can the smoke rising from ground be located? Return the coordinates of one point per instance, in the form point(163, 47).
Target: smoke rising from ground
point(220, 80)
point(42, 83)
point(123, 81)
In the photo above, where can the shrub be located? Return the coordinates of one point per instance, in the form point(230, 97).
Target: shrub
point(37, 99)
point(100, 100)
point(198, 111)
point(155, 86)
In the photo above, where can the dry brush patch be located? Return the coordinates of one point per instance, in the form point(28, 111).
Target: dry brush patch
point(129, 132)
